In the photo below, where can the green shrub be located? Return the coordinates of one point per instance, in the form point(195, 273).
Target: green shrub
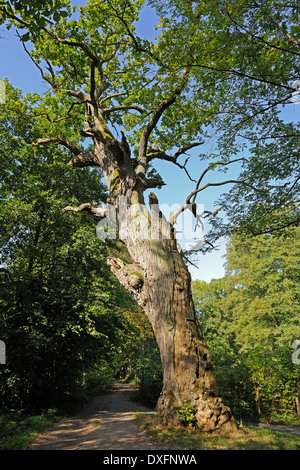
point(98, 379)
point(187, 414)
point(18, 429)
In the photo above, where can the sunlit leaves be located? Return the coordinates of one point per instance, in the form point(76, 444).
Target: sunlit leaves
point(60, 308)
point(34, 14)
point(241, 60)
point(245, 58)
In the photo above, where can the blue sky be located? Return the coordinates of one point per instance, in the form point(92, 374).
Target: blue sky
point(22, 73)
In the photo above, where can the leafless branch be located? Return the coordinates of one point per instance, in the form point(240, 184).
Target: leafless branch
point(160, 155)
point(213, 214)
point(210, 167)
point(153, 154)
point(57, 140)
point(87, 207)
point(134, 107)
point(186, 148)
point(190, 200)
point(196, 191)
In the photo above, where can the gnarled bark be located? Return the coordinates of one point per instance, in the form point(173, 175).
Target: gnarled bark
point(160, 282)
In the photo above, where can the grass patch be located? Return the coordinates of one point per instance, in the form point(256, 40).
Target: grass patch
point(245, 438)
point(18, 430)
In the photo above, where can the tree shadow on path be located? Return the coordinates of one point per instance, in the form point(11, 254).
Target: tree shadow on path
point(106, 423)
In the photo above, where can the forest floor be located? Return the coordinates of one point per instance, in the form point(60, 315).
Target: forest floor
point(107, 422)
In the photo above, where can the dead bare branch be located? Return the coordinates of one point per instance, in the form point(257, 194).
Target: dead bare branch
point(134, 107)
point(190, 203)
point(87, 207)
point(57, 140)
point(210, 167)
point(158, 154)
point(186, 148)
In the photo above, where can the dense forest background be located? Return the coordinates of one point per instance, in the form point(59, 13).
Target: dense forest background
point(251, 320)
point(69, 328)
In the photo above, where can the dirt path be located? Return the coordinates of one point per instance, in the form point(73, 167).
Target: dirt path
point(106, 423)
point(282, 428)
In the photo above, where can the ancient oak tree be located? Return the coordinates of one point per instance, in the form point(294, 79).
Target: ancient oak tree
point(128, 106)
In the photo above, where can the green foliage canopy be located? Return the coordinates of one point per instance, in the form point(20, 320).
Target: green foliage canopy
point(60, 309)
point(245, 62)
point(216, 73)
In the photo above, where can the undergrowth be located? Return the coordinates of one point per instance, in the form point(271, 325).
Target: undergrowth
point(188, 438)
point(17, 429)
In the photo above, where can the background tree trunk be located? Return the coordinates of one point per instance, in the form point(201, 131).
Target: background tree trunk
point(297, 399)
point(257, 400)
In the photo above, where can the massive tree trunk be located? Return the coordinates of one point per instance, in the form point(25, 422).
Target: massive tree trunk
point(161, 284)
point(157, 277)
